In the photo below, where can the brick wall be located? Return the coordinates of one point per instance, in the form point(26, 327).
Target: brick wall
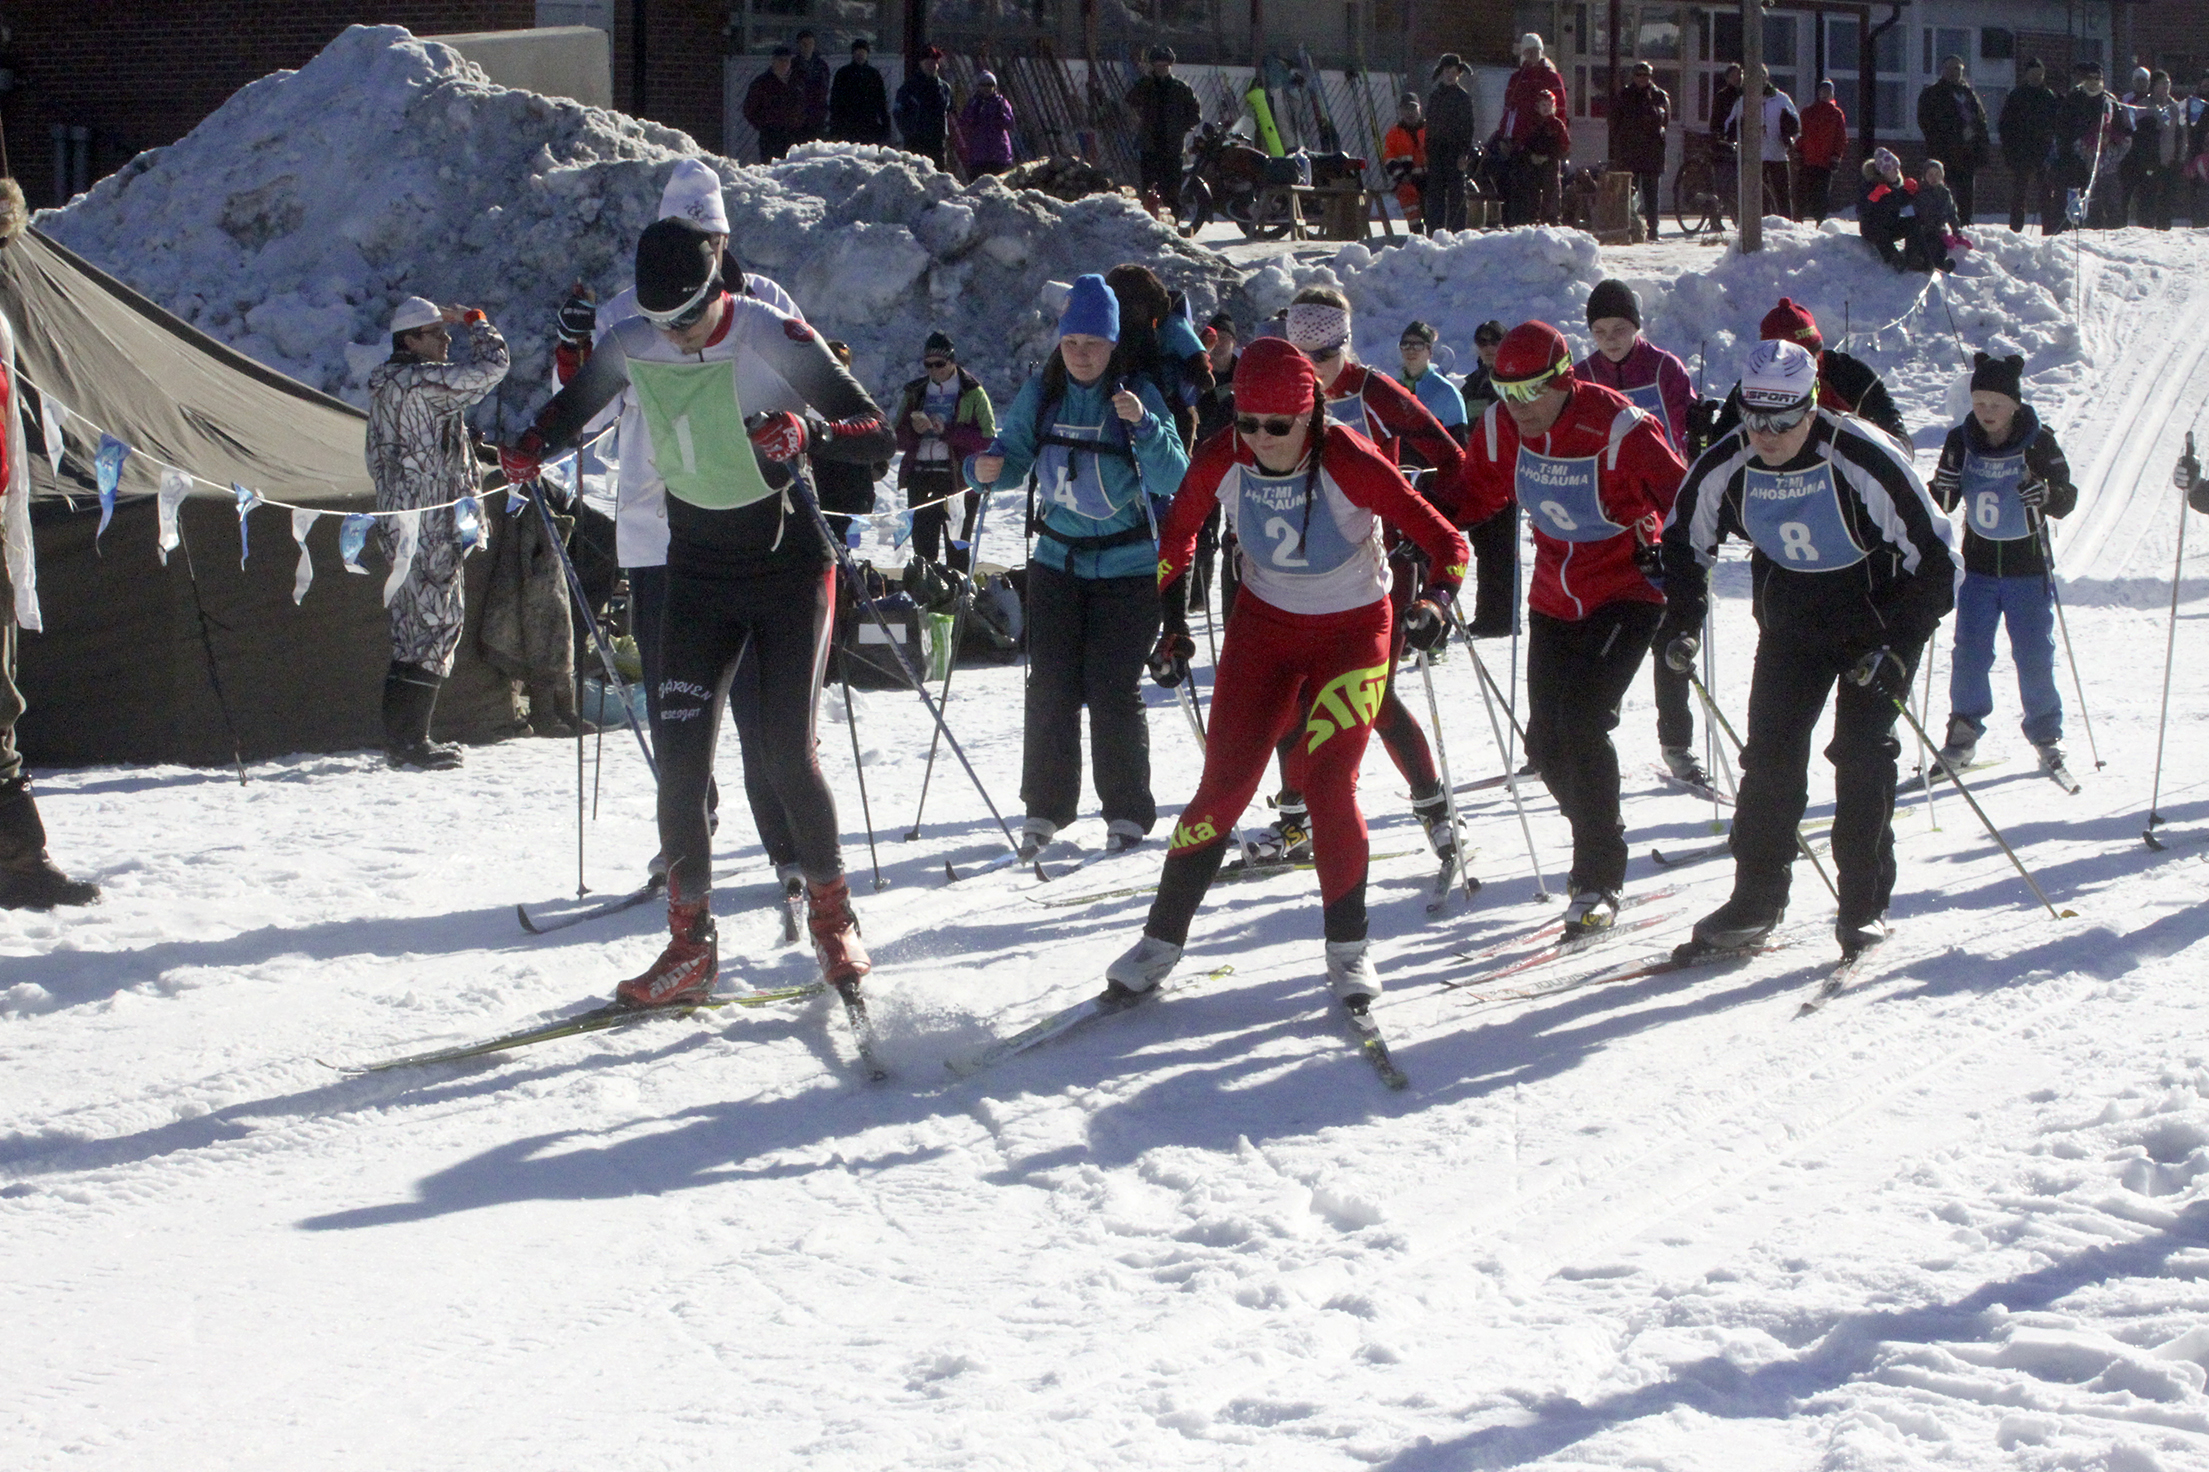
point(683, 46)
point(2173, 34)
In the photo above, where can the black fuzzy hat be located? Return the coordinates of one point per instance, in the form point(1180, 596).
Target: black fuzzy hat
point(1998, 375)
point(675, 260)
point(1613, 298)
point(938, 343)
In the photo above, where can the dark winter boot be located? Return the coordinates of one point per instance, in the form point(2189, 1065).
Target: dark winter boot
point(552, 710)
point(28, 878)
point(686, 970)
point(410, 698)
point(836, 933)
point(1740, 924)
point(1859, 936)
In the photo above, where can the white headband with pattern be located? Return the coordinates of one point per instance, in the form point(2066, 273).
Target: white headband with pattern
point(1315, 325)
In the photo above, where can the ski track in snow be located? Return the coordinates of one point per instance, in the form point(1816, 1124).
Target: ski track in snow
point(1959, 1219)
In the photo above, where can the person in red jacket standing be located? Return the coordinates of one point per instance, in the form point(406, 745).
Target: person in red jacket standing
point(1597, 477)
point(1306, 650)
point(1536, 76)
point(1819, 151)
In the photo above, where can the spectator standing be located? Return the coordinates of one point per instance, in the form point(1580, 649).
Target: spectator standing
point(2194, 112)
point(1640, 116)
point(1722, 100)
point(1953, 122)
point(1537, 76)
point(809, 69)
point(923, 108)
point(2093, 130)
point(421, 461)
point(1824, 143)
point(2158, 152)
point(2028, 129)
point(1404, 161)
point(1450, 134)
point(1495, 542)
point(942, 417)
point(1938, 222)
point(985, 129)
point(1165, 109)
point(1782, 126)
point(858, 102)
point(775, 106)
point(1542, 162)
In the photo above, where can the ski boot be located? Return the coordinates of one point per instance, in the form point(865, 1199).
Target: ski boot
point(1122, 834)
point(1350, 973)
point(685, 972)
point(792, 879)
point(1433, 814)
point(1857, 937)
point(1147, 963)
point(1286, 840)
point(1681, 763)
point(1592, 913)
point(2051, 762)
point(29, 879)
point(1962, 743)
point(1035, 836)
point(1739, 924)
point(836, 934)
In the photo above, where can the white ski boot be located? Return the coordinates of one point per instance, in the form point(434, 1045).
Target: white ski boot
point(1350, 973)
point(1146, 964)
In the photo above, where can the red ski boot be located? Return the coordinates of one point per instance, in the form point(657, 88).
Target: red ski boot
point(836, 933)
point(686, 970)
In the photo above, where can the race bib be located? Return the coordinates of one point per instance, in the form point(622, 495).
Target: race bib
point(1271, 523)
point(1794, 517)
point(1561, 497)
point(1074, 479)
point(1990, 503)
point(699, 447)
point(1649, 398)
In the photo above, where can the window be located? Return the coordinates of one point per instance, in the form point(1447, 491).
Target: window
point(1942, 42)
point(1996, 44)
point(1841, 39)
point(1779, 40)
point(1658, 38)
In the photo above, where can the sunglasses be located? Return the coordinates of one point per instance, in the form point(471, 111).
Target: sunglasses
point(1278, 428)
point(932, 364)
point(1321, 355)
point(1527, 390)
point(682, 318)
point(1775, 421)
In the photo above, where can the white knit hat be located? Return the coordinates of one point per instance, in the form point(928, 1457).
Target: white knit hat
point(1531, 42)
point(694, 193)
point(1778, 375)
point(415, 311)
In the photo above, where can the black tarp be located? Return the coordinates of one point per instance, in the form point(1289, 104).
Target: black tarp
point(122, 672)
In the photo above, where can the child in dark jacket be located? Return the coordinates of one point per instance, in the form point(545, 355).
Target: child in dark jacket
point(1546, 149)
point(1937, 222)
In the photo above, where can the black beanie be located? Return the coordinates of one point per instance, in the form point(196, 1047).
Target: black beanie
point(1613, 298)
point(675, 257)
point(938, 343)
point(1998, 375)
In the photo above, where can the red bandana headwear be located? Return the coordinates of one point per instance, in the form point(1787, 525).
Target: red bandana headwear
point(1272, 377)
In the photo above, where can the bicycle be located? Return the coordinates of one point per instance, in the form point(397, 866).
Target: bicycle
point(1706, 189)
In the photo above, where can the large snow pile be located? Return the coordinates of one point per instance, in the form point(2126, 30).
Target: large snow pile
point(291, 221)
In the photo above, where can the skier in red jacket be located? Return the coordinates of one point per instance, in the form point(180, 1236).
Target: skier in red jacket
point(1597, 477)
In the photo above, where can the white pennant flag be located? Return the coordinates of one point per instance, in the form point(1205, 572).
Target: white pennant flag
point(175, 486)
point(49, 425)
point(302, 521)
point(406, 535)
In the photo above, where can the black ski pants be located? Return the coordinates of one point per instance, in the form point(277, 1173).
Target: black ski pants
point(1088, 639)
point(1787, 693)
point(1576, 675)
point(1446, 207)
point(647, 610)
point(926, 490)
point(1495, 544)
point(1675, 717)
point(788, 618)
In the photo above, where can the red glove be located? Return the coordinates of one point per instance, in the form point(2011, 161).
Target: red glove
point(523, 459)
point(779, 436)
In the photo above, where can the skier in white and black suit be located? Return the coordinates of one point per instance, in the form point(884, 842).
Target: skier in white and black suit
point(1853, 570)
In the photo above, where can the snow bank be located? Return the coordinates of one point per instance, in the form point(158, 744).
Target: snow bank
point(292, 220)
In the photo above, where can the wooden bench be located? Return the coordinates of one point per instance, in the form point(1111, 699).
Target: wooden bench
point(1345, 211)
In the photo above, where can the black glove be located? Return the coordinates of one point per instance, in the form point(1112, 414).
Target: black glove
point(1702, 423)
point(2188, 470)
point(1169, 662)
point(1426, 626)
point(1680, 651)
point(578, 315)
point(1649, 557)
point(1882, 672)
point(2033, 493)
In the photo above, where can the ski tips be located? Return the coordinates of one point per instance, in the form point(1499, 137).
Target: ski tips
point(528, 924)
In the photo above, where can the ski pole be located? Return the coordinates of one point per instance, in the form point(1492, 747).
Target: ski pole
point(1449, 789)
point(2055, 596)
point(2170, 646)
point(851, 722)
point(1958, 778)
point(575, 677)
point(943, 697)
point(1801, 843)
point(620, 686)
point(1510, 774)
point(1925, 710)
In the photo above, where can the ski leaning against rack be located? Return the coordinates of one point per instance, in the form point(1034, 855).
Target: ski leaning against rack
point(597, 1019)
point(600, 911)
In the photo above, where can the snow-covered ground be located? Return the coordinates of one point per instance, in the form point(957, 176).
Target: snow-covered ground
point(1960, 1219)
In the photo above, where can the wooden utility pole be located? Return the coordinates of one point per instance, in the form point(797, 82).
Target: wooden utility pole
point(1751, 191)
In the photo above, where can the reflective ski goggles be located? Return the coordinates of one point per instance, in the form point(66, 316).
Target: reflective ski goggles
point(1279, 428)
point(1527, 390)
point(1322, 354)
point(1776, 421)
point(687, 315)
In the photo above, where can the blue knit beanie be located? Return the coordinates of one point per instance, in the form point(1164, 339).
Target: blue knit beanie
point(1091, 308)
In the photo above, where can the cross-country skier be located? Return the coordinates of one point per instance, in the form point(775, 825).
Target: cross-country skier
point(1385, 412)
point(748, 567)
point(693, 192)
point(1100, 439)
point(1852, 571)
point(1307, 646)
point(1596, 476)
point(2004, 470)
point(1846, 385)
point(1657, 384)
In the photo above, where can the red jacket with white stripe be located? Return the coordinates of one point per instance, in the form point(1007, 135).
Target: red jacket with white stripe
point(1637, 476)
point(1391, 416)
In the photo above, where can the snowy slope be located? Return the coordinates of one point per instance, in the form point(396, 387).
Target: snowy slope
point(1959, 1220)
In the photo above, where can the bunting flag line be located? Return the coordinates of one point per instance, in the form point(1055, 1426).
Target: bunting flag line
point(904, 528)
point(468, 524)
point(50, 424)
point(406, 535)
point(352, 540)
point(247, 500)
point(175, 486)
point(302, 521)
point(107, 470)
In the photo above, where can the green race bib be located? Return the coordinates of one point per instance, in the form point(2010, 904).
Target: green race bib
point(699, 446)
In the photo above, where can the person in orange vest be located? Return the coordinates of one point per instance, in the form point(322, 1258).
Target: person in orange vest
point(1404, 160)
